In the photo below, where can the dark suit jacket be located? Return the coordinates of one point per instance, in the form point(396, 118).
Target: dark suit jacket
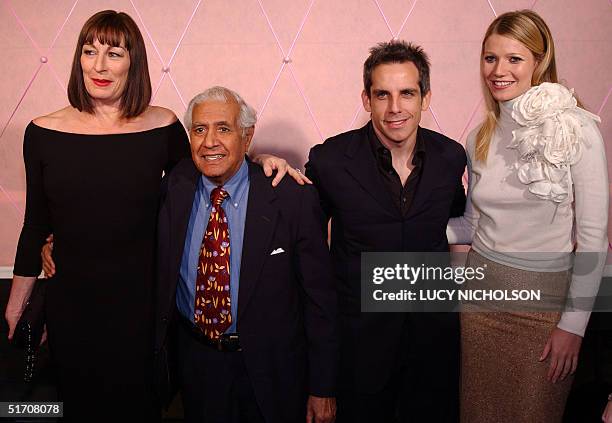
point(286, 302)
point(365, 218)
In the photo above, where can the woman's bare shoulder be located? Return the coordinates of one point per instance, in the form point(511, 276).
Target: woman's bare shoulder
point(157, 116)
point(56, 120)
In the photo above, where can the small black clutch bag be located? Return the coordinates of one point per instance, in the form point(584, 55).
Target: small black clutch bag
point(30, 328)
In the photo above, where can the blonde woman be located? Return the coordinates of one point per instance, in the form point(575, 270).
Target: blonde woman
point(538, 190)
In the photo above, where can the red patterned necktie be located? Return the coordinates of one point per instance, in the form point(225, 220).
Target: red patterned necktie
point(212, 312)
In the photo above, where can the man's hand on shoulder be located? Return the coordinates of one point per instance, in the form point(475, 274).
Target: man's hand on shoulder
point(320, 409)
point(270, 163)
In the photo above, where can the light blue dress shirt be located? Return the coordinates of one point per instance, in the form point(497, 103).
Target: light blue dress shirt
point(235, 206)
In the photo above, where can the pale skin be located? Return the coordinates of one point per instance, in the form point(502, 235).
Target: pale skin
point(395, 104)
point(320, 410)
point(507, 68)
point(606, 417)
point(271, 163)
point(21, 288)
point(109, 66)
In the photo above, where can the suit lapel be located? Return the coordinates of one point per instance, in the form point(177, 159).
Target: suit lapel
point(181, 193)
point(363, 168)
point(261, 219)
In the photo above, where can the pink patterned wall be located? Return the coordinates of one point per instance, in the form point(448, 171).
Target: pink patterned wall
point(298, 62)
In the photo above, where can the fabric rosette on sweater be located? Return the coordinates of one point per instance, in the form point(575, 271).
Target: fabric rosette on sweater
point(550, 139)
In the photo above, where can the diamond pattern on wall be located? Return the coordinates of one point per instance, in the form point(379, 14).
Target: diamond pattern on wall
point(330, 71)
point(165, 22)
point(451, 33)
point(296, 139)
point(502, 6)
point(298, 63)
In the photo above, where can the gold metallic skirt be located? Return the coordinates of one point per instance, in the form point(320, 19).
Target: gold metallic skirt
point(502, 379)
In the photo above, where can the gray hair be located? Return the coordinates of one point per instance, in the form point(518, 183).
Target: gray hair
point(246, 119)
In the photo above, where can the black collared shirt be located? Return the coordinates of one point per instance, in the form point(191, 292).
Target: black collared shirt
point(402, 195)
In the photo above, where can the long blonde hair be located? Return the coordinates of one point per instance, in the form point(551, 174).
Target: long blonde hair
point(528, 28)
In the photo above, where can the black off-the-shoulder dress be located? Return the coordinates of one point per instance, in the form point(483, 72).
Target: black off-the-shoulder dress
point(98, 196)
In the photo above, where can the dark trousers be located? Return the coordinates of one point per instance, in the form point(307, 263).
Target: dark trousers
point(215, 386)
point(424, 382)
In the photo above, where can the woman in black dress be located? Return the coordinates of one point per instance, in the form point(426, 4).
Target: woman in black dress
point(93, 173)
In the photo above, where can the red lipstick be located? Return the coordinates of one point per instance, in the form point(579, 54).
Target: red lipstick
point(101, 82)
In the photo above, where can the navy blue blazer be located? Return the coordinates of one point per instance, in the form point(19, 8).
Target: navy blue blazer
point(287, 306)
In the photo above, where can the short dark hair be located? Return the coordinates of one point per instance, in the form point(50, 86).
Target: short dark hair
point(113, 28)
point(397, 52)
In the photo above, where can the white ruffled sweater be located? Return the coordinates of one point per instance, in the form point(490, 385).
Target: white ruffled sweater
point(508, 224)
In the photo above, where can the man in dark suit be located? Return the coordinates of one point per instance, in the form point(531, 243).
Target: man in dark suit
point(248, 270)
point(391, 186)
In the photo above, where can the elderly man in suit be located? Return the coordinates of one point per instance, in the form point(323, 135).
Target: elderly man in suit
point(247, 270)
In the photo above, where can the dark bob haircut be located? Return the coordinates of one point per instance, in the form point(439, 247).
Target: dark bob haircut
point(397, 52)
point(113, 28)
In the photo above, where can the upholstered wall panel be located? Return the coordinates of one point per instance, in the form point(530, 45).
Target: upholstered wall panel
point(298, 62)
